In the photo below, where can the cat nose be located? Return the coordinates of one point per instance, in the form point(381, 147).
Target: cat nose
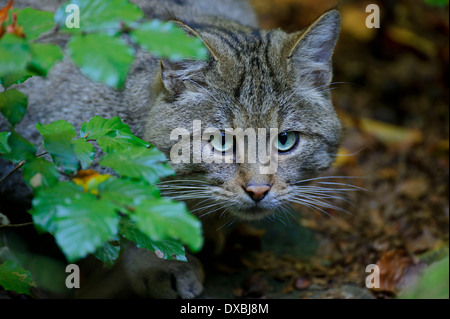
point(257, 192)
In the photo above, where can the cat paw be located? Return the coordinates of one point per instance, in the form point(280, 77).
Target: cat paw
point(152, 277)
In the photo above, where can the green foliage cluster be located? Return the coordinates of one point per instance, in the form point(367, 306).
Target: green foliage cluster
point(88, 212)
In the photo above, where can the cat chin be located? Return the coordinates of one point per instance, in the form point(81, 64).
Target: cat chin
point(250, 214)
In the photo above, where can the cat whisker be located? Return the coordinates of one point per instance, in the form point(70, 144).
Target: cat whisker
point(187, 191)
point(184, 189)
point(170, 181)
point(211, 212)
point(204, 207)
point(323, 203)
point(326, 177)
point(204, 89)
point(187, 195)
point(350, 154)
point(313, 207)
point(286, 213)
point(307, 77)
point(345, 185)
point(200, 203)
point(226, 224)
point(306, 94)
point(327, 196)
point(287, 208)
point(327, 190)
point(323, 194)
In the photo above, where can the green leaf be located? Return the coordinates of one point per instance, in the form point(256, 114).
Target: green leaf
point(46, 201)
point(58, 141)
point(39, 172)
point(4, 146)
point(62, 151)
point(84, 151)
point(106, 16)
point(111, 134)
point(15, 278)
point(165, 39)
point(85, 225)
point(13, 105)
point(34, 22)
point(126, 192)
point(81, 223)
point(57, 138)
point(99, 126)
point(102, 58)
point(15, 78)
point(25, 60)
point(56, 127)
point(432, 284)
point(20, 148)
point(43, 57)
point(111, 144)
point(128, 138)
point(168, 249)
point(14, 55)
point(163, 219)
point(138, 162)
point(108, 253)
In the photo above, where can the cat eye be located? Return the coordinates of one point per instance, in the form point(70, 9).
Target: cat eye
point(287, 141)
point(223, 144)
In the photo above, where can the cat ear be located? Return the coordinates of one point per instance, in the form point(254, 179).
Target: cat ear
point(311, 52)
point(191, 32)
point(171, 77)
point(174, 74)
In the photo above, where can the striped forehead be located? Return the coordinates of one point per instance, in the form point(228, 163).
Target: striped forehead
point(252, 75)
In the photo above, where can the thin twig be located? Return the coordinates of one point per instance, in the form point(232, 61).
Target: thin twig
point(12, 172)
point(17, 225)
point(19, 166)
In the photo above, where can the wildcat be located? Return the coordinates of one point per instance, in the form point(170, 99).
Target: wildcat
point(253, 79)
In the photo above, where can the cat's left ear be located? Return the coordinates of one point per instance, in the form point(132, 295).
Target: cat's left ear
point(174, 74)
point(311, 52)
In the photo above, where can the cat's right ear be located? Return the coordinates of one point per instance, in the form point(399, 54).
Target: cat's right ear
point(312, 50)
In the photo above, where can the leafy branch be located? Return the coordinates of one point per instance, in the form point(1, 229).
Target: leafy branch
point(89, 212)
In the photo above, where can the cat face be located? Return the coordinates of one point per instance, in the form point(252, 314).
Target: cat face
point(256, 82)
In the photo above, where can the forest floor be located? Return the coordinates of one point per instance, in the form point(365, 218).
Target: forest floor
point(392, 95)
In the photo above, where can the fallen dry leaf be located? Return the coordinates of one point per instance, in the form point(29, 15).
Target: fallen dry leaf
point(5, 10)
point(4, 15)
point(410, 39)
point(386, 133)
point(15, 29)
point(397, 270)
point(414, 188)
